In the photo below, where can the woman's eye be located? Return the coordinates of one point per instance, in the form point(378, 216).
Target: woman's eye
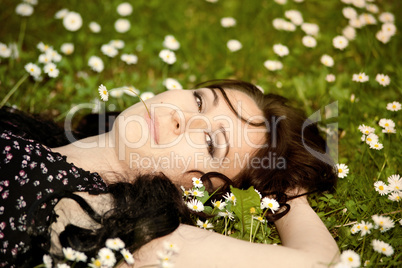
point(198, 101)
point(210, 144)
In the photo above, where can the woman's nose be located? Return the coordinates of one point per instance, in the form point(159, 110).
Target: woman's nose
point(184, 121)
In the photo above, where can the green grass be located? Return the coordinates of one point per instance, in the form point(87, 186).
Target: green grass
point(203, 55)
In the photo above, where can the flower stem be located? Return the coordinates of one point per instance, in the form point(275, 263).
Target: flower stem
point(22, 33)
point(149, 114)
point(12, 91)
point(251, 230)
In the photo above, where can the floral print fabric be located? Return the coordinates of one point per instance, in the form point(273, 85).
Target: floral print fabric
point(29, 173)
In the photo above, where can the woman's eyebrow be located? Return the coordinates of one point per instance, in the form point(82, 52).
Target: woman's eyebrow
point(215, 102)
point(226, 140)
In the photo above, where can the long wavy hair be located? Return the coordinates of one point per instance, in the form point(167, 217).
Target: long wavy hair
point(152, 206)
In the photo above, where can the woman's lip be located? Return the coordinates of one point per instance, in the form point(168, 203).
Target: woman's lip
point(153, 126)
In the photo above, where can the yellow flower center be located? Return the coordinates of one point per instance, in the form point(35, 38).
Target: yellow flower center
point(360, 77)
point(252, 210)
point(104, 92)
point(381, 187)
point(97, 263)
point(386, 124)
point(350, 259)
point(259, 218)
point(270, 205)
point(218, 203)
point(366, 228)
point(204, 225)
point(32, 69)
point(340, 170)
point(384, 249)
point(195, 207)
point(381, 222)
point(394, 106)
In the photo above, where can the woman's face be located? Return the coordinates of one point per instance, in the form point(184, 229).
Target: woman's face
point(189, 130)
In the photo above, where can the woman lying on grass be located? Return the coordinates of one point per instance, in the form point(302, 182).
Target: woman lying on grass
point(125, 183)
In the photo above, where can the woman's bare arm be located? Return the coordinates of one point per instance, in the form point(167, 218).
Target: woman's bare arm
point(306, 243)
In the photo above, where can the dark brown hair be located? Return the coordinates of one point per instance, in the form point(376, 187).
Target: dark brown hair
point(286, 140)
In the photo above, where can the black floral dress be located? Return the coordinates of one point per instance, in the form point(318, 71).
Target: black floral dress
point(30, 173)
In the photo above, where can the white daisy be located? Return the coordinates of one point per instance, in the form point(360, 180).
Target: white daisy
point(31, 2)
point(67, 48)
point(372, 8)
point(259, 218)
point(343, 170)
point(395, 196)
point(365, 228)
point(171, 247)
point(104, 94)
point(234, 45)
point(228, 22)
point(94, 27)
point(69, 254)
point(355, 229)
point(197, 193)
point(367, 19)
point(376, 146)
point(107, 257)
point(383, 223)
point(129, 58)
point(386, 17)
point(349, 12)
point(122, 25)
point(330, 78)
point(45, 58)
point(351, 258)
point(340, 42)
point(381, 187)
point(382, 247)
point(185, 192)
point(47, 261)
point(109, 50)
point(281, 2)
point(309, 41)
point(295, 16)
point(172, 84)
point(360, 77)
point(383, 79)
point(219, 204)
point(383, 37)
point(227, 214)
point(230, 198)
point(281, 50)
point(72, 21)
point(147, 95)
point(359, 3)
point(24, 9)
point(5, 52)
point(197, 182)
point(371, 138)
point(195, 205)
point(51, 70)
point(61, 13)
point(96, 64)
point(273, 65)
point(167, 56)
point(349, 32)
point(80, 257)
point(170, 42)
point(128, 257)
point(389, 130)
point(389, 29)
point(269, 203)
point(366, 129)
point(386, 123)
point(204, 225)
point(125, 9)
point(394, 183)
point(327, 60)
point(118, 44)
point(33, 69)
point(394, 106)
point(115, 243)
point(131, 91)
point(310, 28)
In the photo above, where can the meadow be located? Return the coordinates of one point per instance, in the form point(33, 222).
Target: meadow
point(337, 58)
